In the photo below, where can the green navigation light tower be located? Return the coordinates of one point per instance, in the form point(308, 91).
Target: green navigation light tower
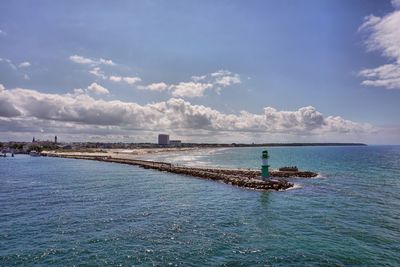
point(265, 166)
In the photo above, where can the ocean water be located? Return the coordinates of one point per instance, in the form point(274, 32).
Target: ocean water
point(66, 212)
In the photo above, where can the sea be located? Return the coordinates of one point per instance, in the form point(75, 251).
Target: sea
point(68, 212)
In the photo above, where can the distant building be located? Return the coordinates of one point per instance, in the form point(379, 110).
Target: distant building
point(175, 142)
point(55, 139)
point(163, 139)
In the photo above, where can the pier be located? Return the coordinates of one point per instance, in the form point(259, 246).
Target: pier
point(250, 179)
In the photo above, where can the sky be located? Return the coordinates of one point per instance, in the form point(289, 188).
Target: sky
point(201, 71)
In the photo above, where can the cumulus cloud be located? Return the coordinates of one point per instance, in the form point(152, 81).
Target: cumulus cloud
point(190, 89)
point(227, 80)
point(216, 81)
point(97, 89)
point(198, 85)
point(106, 62)
point(128, 80)
point(155, 87)
point(383, 36)
point(89, 61)
point(7, 109)
point(115, 78)
point(25, 64)
point(82, 110)
point(131, 80)
point(98, 72)
point(2, 33)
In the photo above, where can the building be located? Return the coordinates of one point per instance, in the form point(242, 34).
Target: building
point(175, 142)
point(55, 139)
point(163, 139)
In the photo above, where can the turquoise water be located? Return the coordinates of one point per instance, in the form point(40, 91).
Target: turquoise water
point(72, 212)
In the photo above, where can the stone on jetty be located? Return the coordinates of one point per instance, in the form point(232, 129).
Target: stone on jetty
point(289, 169)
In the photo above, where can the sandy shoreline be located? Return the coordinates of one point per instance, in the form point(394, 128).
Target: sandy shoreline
point(134, 154)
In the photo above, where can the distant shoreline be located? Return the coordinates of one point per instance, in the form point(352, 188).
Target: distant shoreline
point(282, 144)
point(140, 151)
point(139, 148)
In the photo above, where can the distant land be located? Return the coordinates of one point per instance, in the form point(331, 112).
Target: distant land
point(37, 145)
point(299, 144)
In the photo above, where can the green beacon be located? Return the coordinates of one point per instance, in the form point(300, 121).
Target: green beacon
point(265, 166)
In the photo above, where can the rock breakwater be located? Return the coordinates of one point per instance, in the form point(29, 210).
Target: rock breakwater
point(243, 178)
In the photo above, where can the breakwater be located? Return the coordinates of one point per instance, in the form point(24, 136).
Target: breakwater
point(239, 177)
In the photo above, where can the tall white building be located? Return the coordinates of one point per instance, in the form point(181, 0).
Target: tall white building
point(163, 139)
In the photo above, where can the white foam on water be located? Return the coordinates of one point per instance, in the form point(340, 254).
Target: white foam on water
point(319, 176)
point(295, 186)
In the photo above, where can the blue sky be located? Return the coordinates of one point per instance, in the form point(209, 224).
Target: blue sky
point(286, 55)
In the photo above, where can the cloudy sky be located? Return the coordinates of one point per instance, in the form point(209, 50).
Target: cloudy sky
point(202, 71)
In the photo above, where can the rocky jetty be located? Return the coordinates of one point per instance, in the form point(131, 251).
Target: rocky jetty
point(238, 177)
point(289, 169)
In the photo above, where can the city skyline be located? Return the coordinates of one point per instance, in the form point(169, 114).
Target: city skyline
point(209, 71)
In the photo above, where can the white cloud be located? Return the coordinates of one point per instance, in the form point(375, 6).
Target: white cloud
point(155, 87)
point(98, 73)
point(198, 85)
point(25, 64)
point(2, 88)
point(228, 80)
point(115, 78)
point(106, 62)
point(80, 59)
point(383, 36)
point(26, 77)
point(98, 89)
point(128, 80)
point(190, 89)
point(199, 78)
point(131, 80)
point(387, 76)
point(88, 61)
point(81, 109)
point(3, 33)
point(221, 73)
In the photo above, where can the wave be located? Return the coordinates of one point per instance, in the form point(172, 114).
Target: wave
point(295, 186)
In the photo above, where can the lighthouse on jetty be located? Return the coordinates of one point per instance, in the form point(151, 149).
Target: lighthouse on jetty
point(265, 166)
